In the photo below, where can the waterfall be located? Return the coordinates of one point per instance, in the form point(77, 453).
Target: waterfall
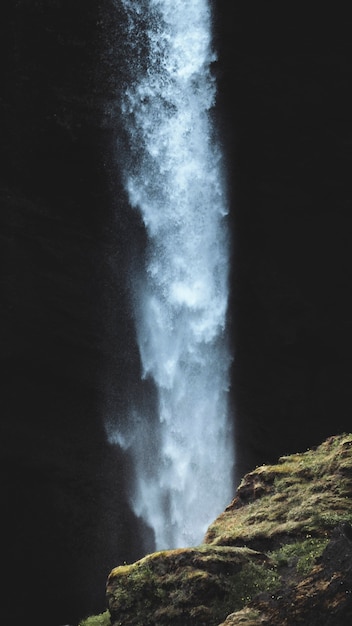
point(173, 174)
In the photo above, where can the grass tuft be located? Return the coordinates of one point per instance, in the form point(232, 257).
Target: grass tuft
point(97, 620)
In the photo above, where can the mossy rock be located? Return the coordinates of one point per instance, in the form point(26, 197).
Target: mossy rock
point(303, 494)
point(285, 541)
point(187, 586)
point(244, 617)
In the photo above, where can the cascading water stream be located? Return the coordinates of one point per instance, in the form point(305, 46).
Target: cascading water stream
point(173, 175)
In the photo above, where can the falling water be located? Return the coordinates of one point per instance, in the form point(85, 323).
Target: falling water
point(173, 175)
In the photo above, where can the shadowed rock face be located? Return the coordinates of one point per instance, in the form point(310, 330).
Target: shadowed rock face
point(322, 597)
point(280, 554)
point(288, 133)
point(326, 595)
point(62, 307)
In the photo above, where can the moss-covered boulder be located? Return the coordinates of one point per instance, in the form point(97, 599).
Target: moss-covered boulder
point(279, 555)
point(186, 586)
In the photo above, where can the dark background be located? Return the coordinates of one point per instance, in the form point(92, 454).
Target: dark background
point(68, 240)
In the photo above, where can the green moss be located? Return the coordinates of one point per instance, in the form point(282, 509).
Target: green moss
point(97, 620)
point(187, 586)
point(304, 493)
point(254, 578)
point(301, 554)
point(243, 587)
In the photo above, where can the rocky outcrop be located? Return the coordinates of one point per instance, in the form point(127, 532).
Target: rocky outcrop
point(183, 587)
point(280, 554)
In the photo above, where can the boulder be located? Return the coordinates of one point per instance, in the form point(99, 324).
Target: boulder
point(182, 587)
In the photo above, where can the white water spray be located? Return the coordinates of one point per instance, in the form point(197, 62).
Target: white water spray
point(173, 175)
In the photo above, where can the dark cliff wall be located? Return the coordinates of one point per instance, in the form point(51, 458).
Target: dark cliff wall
point(286, 95)
point(65, 333)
